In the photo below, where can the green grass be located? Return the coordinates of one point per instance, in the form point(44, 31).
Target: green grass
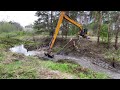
point(16, 70)
point(93, 76)
point(64, 67)
point(17, 66)
point(110, 54)
point(76, 70)
point(11, 39)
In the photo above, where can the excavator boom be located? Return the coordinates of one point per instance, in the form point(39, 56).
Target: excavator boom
point(73, 22)
point(57, 28)
point(62, 16)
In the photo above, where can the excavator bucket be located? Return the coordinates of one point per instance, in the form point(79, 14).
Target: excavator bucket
point(49, 55)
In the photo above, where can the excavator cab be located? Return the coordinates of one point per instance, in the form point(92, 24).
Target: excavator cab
point(83, 32)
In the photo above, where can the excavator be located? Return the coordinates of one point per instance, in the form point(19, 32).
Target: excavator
point(62, 16)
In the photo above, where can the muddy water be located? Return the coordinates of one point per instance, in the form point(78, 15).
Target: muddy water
point(22, 50)
point(86, 62)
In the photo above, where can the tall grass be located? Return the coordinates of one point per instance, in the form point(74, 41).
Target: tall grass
point(7, 27)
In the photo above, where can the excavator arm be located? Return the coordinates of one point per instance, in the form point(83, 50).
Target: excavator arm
point(73, 22)
point(62, 16)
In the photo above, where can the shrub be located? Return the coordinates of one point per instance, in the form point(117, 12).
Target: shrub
point(7, 27)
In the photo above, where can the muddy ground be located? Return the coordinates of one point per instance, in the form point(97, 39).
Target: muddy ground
point(79, 50)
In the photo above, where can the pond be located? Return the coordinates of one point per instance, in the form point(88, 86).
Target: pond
point(22, 50)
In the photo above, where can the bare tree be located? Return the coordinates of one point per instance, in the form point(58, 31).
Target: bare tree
point(108, 36)
point(51, 23)
point(109, 23)
point(117, 30)
point(66, 25)
point(99, 27)
point(116, 36)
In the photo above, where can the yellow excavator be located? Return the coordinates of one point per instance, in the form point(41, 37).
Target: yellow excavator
point(61, 17)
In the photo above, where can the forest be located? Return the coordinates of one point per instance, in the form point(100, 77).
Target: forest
point(97, 56)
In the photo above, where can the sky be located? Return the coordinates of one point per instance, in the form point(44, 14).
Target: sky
point(22, 17)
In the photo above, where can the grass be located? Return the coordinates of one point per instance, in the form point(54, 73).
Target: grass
point(76, 70)
point(8, 40)
point(110, 54)
point(17, 66)
point(16, 70)
point(93, 76)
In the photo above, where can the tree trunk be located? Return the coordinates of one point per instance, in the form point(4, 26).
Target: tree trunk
point(116, 38)
point(62, 34)
point(66, 29)
point(51, 29)
point(95, 16)
point(63, 30)
point(109, 23)
point(108, 35)
point(48, 26)
point(99, 27)
point(67, 24)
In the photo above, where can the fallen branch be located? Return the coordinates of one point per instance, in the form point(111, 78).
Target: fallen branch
point(65, 45)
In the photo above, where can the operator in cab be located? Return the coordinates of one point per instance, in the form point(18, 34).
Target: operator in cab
point(84, 33)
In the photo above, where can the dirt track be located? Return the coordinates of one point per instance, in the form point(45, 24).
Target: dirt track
point(89, 63)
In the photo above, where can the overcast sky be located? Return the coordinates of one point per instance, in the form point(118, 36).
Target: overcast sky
point(22, 17)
